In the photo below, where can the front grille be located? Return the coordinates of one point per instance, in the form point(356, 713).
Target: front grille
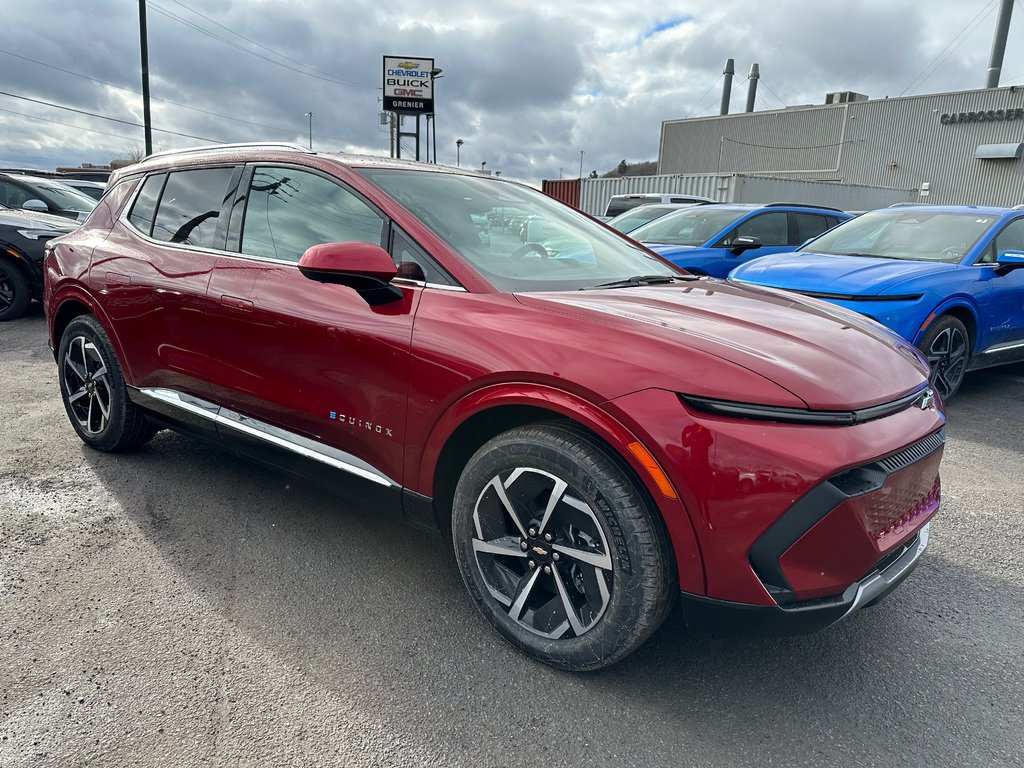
point(902, 504)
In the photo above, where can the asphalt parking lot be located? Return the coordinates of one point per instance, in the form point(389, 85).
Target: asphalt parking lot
point(180, 606)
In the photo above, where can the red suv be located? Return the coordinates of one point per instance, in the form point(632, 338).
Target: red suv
point(599, 432)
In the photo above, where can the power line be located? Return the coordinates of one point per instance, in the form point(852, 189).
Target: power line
point(955, 43)
point(208, 33)
point(68, 125)
point(155, 98)
point(105, 117)
point(265, 48)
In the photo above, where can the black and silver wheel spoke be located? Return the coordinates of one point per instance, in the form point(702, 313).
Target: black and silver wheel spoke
point(542, 553)
point(87, 385)
point(947, 356)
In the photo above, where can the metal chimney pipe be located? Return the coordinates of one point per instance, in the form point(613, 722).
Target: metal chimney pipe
point(995, 62)
point(729, 71)
point(753, 77)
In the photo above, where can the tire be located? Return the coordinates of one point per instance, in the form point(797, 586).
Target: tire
point(609, 561)
point(947, 345)
point(94, 392)
point(15, 294)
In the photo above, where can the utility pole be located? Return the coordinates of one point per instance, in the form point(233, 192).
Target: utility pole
point(310, 116)
point(147, 118)
point(581, 165)
point(458, 150)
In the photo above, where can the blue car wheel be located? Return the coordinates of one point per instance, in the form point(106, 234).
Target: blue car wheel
point(947, 346)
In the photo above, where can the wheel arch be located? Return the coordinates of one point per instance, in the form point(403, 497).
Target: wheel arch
point(72, 303)
point(962, 310)
point(482, 415)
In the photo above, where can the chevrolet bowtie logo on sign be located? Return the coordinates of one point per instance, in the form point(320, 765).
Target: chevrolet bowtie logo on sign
point(408, 85)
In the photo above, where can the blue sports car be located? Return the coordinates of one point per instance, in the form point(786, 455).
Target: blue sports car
point(949, 279)
point(714, 239)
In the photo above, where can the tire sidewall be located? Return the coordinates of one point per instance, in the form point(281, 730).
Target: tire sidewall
point(90, 328)
point(941, 324)
point(613, 636)
point(22, 292)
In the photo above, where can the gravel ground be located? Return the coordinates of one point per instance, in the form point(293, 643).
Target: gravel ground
point(179, 606)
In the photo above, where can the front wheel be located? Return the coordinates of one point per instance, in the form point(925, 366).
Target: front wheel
point(14, 292)
point(947, 346)
point(94, 392)
point(559, 547)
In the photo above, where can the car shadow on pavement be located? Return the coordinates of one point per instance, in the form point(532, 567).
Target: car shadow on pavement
point(375, 610)
point(971, 412)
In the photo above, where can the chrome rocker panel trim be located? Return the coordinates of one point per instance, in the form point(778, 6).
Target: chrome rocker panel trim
point(229, 419)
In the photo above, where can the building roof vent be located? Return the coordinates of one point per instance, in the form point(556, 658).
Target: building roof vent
point(844, 97)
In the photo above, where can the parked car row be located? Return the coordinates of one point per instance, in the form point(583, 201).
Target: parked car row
point(948, 279)
point(600, 434)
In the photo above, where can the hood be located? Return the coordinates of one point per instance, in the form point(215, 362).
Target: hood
point(826, 273)
point(828, 357)
point(23, 219)
point(667, 250)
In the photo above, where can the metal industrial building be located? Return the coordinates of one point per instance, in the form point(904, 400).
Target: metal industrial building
point(958, 147)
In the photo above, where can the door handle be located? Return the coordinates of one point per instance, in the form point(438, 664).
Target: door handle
point(236, 303)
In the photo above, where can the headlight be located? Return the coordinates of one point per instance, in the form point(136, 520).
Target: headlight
point(37, 234)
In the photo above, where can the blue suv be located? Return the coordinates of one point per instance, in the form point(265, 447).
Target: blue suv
point(948, 279)
point(715, 239)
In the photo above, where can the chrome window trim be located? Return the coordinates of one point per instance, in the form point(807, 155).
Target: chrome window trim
point(282, 438)
point(123, 219)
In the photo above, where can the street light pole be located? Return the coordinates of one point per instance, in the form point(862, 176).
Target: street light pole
point(435, 75)
point(581, 165)
point(310, 116)
point(147, 119)
point(458, 148)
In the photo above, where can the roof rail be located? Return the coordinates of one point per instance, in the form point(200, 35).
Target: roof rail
point(1018, 207)
point(279, 145)
point(803, 205)
point(905, 205)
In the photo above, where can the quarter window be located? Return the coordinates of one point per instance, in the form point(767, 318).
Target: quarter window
point(141, 216)
point(190, 207)
point(288, 211)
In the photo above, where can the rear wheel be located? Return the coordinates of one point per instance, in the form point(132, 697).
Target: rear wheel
point(560, 549)
point(947, 346)
point(14, 292)
point(94, 392)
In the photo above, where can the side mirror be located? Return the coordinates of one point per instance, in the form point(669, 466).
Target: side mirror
point(35, 205)
point(1008, 261)
point(745, 243)
point(364, 267)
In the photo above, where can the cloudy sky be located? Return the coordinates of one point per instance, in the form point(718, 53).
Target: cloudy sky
point(526, 85)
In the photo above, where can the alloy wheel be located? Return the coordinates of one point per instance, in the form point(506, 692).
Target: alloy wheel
point(542, 553)
point(87, 385)
point(6, 292)
point(948, 355)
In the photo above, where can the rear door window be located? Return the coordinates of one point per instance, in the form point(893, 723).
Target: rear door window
point(808, 225)
point(190, 207)
point(770, 228)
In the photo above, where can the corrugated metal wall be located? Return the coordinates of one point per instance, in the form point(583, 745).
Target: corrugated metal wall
point(898, 143)
point(741, 188)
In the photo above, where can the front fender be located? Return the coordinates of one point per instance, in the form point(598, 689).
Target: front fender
point(943, 307)
point(598, 421)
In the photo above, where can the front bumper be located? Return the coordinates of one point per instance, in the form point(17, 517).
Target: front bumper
point(729, 618)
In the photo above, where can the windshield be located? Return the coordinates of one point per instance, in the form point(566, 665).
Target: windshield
point(690, 226)
point(64, 196)
point(516, 237)
point(910, 235)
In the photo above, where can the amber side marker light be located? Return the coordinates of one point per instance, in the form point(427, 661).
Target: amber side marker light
point(653, 469)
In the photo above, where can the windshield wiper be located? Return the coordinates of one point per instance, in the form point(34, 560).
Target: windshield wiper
point(639, 280)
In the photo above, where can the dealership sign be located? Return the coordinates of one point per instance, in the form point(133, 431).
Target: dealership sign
point(987, 116)
point(408, 86)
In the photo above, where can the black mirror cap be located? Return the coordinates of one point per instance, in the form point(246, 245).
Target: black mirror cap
point(364, 267)
point(745, 243)
point(1009, 261)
